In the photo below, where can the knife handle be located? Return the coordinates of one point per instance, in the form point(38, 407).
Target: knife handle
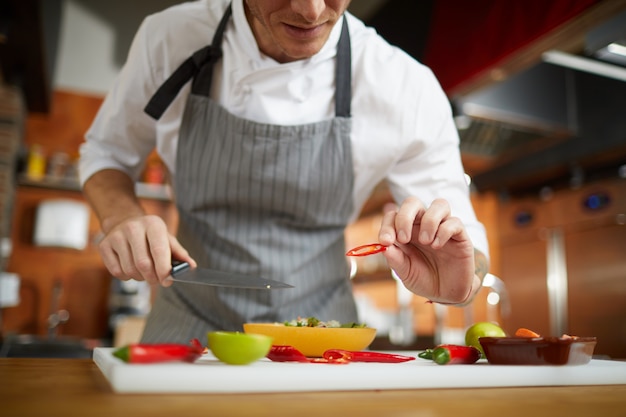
point(179, 267)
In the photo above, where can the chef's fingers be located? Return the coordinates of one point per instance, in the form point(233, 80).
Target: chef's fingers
point(387, 232)
point(387, 207)
point(180, 253)
point(141, 233)
point(111, 259)
point(409, 214)
point(449, 228)
point(118, 258)
point(159, 251)
point(431, 220)
point(397, 222)
point(125, 250)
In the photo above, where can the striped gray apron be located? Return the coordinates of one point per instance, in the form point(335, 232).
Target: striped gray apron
point(258, 199)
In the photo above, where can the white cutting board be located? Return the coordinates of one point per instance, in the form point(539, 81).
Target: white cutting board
point(208, 375)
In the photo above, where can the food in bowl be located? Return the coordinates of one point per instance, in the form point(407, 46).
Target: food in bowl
point(564, 350)
point(236, 348)
point(313, 341)
point(315, 322)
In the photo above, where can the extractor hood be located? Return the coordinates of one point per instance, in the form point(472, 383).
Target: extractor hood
point(562, 115)
point(533, 107)
point(604, 53)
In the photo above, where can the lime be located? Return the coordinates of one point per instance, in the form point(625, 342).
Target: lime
point(482, 329)
point(237, 348)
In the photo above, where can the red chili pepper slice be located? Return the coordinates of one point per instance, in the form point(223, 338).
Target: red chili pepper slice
point(286, 353)
point(365, 250)
point(160, 352)
point(366, 356)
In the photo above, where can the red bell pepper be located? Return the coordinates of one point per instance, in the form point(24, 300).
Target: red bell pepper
point(160, 352)
point(452, 354)
point(365, 356)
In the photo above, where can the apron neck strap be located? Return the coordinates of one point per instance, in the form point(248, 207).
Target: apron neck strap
point(343, 76)
point(199, 67)
point(203, 79)
point(200, 63)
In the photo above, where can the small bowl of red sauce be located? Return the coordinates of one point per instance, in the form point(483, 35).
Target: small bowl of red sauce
point(564, 350)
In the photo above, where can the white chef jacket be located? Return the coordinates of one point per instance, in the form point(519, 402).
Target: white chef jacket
point(402, 126)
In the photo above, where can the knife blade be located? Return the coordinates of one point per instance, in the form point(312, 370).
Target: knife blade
point(182, 272)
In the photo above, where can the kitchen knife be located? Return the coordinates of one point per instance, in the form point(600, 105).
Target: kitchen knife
point(182, 272)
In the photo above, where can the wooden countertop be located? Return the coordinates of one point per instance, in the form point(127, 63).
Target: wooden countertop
point(76, 387)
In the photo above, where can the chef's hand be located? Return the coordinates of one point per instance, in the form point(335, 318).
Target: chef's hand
point(431, 252)
point(141, 248)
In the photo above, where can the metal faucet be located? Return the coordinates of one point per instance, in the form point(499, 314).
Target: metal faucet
point(497, 299)
point(498, 296)
point(402, 331)
point(57, 316)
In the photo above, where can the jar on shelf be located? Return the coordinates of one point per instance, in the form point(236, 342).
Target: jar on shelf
point(36, 164)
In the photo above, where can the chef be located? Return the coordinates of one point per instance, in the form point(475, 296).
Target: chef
point(275, 120)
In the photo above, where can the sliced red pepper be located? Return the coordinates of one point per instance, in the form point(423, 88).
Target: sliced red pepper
point(160, 352)
point(451, 354)
point(365, 250)
point(365, 356)
point(286, 353)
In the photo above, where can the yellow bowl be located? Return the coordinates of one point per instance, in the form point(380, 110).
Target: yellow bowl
point(313, 341)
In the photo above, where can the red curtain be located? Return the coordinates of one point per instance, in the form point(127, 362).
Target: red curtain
point(469, 36)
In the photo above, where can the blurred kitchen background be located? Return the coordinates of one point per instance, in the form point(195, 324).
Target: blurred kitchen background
point(538, 90)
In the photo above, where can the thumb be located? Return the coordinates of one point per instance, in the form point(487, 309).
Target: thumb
point(179, 253)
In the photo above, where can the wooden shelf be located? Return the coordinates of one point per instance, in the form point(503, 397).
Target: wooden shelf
point(144, 190)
